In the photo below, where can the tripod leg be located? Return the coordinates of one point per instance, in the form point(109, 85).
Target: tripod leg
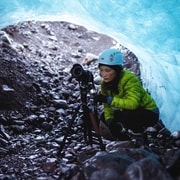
point(87, 126)
point(66, 135)
point(96, 129)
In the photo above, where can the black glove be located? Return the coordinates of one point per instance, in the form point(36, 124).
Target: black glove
point(103, 99)
point(116, 129)
point(111, 124)
point(112, 127)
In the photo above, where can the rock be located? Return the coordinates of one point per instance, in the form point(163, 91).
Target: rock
point(114, 163)
point(147, 169)
point(89, 58)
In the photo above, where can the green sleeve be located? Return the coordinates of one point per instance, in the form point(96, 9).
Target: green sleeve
point(108, 112)
point(130, 93)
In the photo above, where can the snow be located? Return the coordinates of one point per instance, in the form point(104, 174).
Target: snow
point(148, 28)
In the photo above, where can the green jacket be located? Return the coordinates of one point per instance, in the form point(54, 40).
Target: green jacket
point(131, 95)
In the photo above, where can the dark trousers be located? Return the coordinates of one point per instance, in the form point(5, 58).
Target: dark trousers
point(136, 120)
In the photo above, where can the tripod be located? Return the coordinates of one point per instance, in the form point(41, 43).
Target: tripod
point(90, 117)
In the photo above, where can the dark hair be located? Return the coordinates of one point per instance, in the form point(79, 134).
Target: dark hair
point(117, 68)
point(113, 85)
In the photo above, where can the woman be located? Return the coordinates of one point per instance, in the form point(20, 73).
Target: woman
point(125, 100)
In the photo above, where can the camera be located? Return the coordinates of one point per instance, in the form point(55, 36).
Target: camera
point(80, 74)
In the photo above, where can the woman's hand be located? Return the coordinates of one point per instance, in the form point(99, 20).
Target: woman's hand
point(103, 99)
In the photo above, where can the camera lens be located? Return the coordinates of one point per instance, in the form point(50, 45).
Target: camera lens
point(80, 74)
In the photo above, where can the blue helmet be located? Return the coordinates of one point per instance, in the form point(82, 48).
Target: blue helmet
point(111, 57)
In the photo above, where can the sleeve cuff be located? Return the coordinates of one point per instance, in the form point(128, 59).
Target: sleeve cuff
point(109, 99)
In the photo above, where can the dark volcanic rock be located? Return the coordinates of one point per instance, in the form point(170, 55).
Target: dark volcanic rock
point(31, 50)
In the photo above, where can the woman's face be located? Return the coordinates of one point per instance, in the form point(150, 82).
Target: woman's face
point(108, 74)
